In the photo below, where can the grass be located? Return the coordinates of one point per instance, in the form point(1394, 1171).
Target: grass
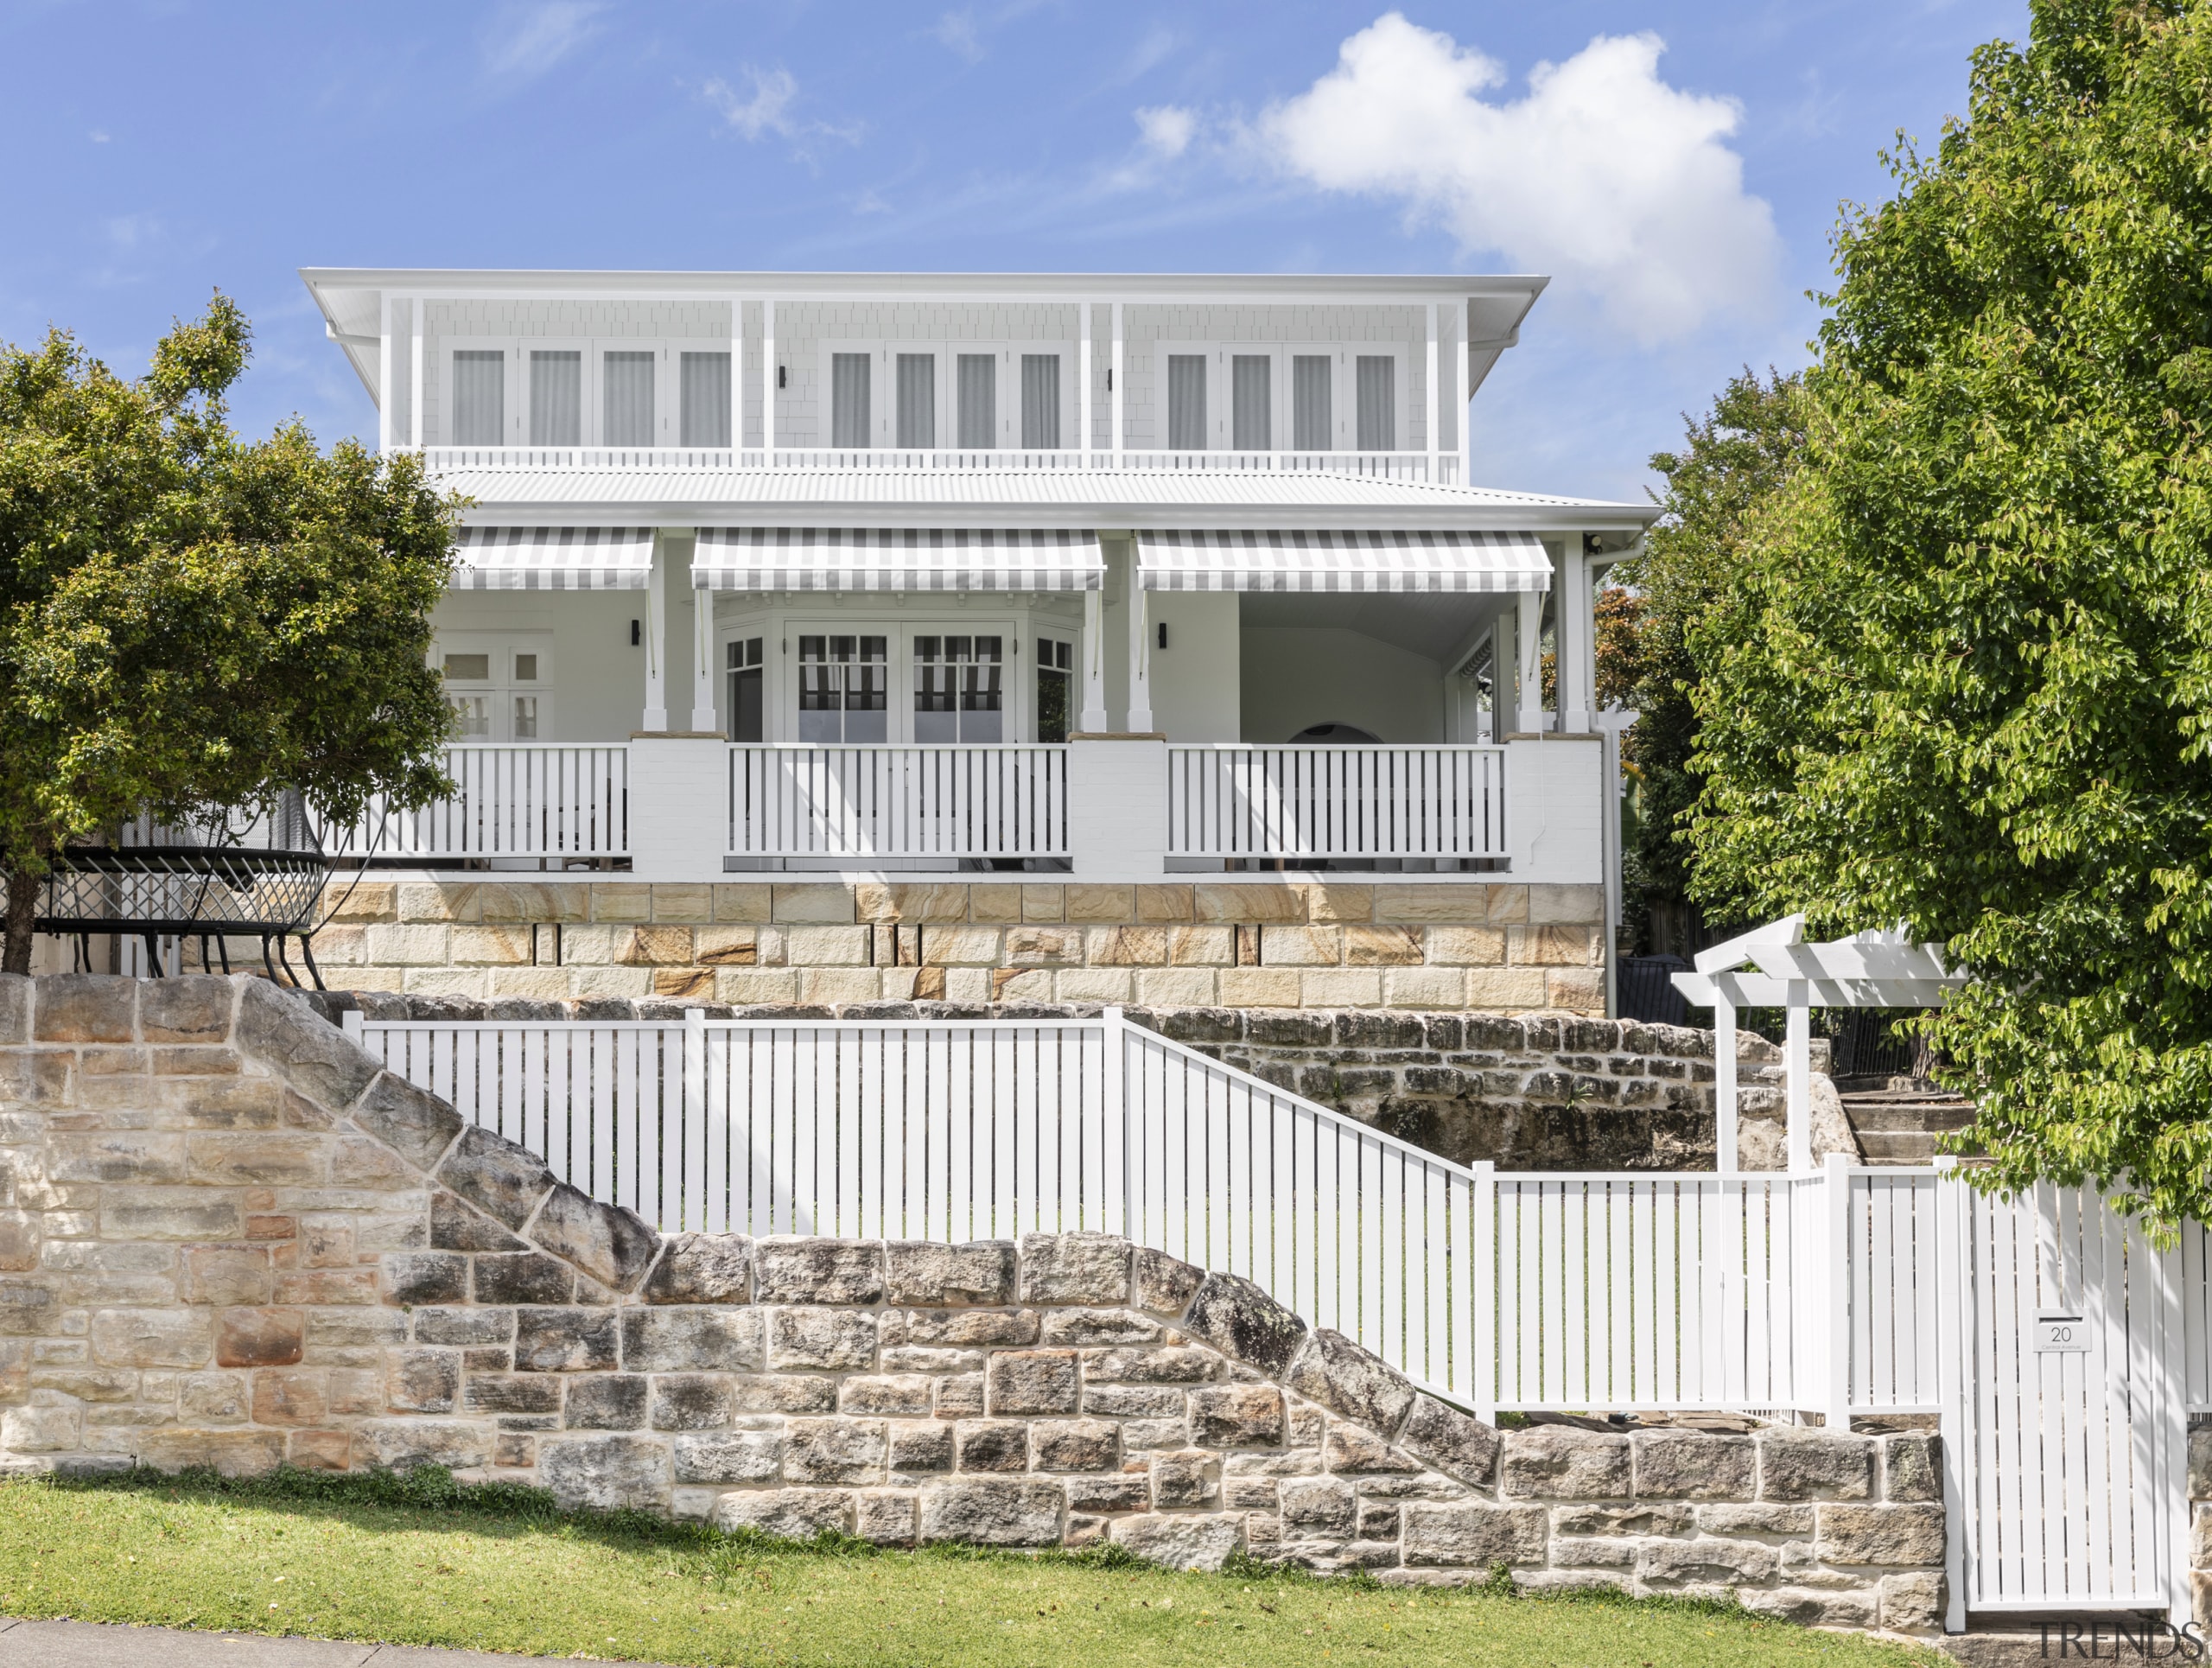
point(422, 1561)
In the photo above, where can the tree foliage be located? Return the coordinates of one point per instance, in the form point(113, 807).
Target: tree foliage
point(187, 619)
point(1964, 681)
point(1732, 461)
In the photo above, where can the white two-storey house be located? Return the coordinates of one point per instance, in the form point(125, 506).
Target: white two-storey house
point(832, 636)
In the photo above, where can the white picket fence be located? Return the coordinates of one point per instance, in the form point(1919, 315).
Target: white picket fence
point(794, 800)
point(1583, 1290)
point(541, 800)
point(1336, 802)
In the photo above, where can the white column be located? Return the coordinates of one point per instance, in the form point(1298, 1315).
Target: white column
point(385, 391)
point(702, 659)
point(1083, 388)
point(655, 720)
point(1117, 386)
point(1435, 399)
point(1461, 394)
point(415, 388)
point(1139, 717)
point(1094, 718)
point(1529, 643)
point(1575, 632)
point(1724, 1087)
point(1797, 1073)
point(736, 378)
point(1835, 1236)
point(768, 382)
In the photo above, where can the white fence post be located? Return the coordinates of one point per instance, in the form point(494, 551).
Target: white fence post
point(1835, 1192)
point(1724, 1087)
point(349, 1022)
point(1482, 1294)
point(1954, 1355)
point(1116, 1026)
point(1797, 1074)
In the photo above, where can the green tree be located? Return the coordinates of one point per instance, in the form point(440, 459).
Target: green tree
point(1964, 679)
point(1732, 462)
point(187, 619)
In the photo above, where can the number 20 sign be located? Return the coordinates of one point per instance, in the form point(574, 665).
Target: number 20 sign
point(2062, 1334)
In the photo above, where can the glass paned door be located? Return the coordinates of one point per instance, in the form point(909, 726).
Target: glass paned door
point(843, 689)
point(1055, 688)
point(958, 695)
point(747, 716)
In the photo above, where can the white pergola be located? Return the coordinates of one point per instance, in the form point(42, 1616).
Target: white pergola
point(1772, 966)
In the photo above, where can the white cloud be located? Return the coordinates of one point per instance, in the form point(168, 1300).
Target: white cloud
point(527, 40)
point(1603, 175)
point(99, 136)
point(1166, 130)
point(766, 107)
point(957, 29)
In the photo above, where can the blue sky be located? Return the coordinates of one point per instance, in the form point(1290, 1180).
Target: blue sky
point(1684, 196)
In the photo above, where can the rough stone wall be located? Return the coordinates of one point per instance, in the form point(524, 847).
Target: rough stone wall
point(1499, 947)
point(229, 1238)
point(1537, 1091)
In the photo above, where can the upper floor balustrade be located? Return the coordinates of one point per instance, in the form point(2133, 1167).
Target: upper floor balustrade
point(1442, 469)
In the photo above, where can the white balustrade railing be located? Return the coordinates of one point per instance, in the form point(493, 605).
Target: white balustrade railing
point(1582, 1291)
point(793, 801)
point(1330, 802)
point(1443, 468)
point(543, 799)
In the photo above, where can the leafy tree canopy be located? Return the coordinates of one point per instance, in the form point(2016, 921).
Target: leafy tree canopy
point(1964, 681)
point(187, 619)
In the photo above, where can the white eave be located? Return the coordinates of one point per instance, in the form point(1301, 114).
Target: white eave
point(1035, 498)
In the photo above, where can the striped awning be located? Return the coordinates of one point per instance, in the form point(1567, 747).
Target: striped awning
point(554, 559)
point(896, 559)
point(1331, 561)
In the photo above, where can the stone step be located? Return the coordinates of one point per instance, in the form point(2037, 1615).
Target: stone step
point(1900, 1147)
point(1908, 1117)
point(1898, 1122)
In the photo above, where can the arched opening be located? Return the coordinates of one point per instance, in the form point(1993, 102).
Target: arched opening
point(1334, 735)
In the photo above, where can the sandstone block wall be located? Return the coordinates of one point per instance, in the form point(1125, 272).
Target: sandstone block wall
point(227, 1237)
point(1436, 945)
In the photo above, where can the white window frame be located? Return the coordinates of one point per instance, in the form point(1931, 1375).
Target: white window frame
point(1343, 397)
point(780, 629)
point(502, 686)
point(883, 386)
point(667, 400)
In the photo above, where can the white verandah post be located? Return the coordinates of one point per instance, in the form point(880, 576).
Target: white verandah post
point(1797, 1072)
point(702, 659)
point(1082, 387)
point(1724, 1087)
point(415, 383)
point(1140, 714)
point(1117, 385)
point(1094, 662)
point(655, 717)
point(385, 391)
point(768, 383)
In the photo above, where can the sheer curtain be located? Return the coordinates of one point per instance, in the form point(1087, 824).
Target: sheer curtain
point(556, 397)
point(702, 388)
point(917, 400)
point(1251, 410)
point(1186, 402)
point(1040, 402)
point(1378, 403)
point(626, 398)
point(977, 381)
point(848, 412)
point(1311, 419)
point(480, 397)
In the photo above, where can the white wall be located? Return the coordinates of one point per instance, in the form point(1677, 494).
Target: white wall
point(1196, 681)
point(1294, 676)
point(597, 680)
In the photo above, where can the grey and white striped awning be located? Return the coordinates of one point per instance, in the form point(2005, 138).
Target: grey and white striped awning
point(896, 559)
point(1332, 560)
point(554, 559)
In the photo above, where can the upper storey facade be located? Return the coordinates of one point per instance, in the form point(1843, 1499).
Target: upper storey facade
point(745, 371)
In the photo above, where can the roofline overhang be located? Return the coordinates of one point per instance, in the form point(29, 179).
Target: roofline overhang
point(1594, 518)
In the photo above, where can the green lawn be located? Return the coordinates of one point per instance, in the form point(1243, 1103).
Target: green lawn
point(375, 1559)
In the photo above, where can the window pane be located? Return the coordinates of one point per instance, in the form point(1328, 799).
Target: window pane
point(1052, 705)
point(1312, 421)
point(917, 399)
point(745, 705)
point(525, 668)
point(480, 397)
point(1251, 408)
point(703, 390)
point(849, 413)
point(979, 401)
point(472, 716)
point(1040, 402)
point(556, 397)
point(1378, 403)
point(469, 668)
point(1186, 402)
point(626, 388)
point(525, 717)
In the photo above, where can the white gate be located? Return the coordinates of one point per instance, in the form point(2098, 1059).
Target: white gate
point(2065, 1434)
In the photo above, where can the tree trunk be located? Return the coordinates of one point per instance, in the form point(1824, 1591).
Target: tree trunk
point(22, 911)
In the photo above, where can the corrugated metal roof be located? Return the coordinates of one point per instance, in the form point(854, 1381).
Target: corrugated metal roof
point(1053, 497)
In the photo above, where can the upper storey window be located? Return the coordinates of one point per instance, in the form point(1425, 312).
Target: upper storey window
point(568, 393)
point(1265, 398)
point(964, 396)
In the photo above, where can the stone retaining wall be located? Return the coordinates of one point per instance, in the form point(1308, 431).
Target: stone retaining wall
point(1368, 944)
point(1536, 1091)
point(227, 1237)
